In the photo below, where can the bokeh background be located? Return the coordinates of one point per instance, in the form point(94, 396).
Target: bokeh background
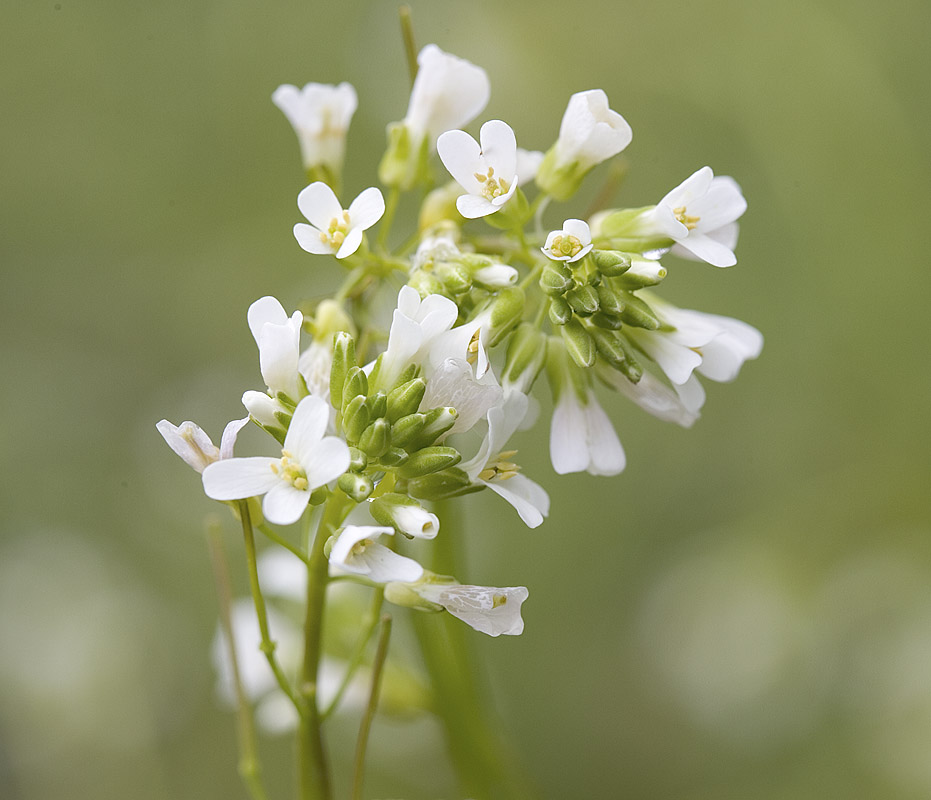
point(744, 613)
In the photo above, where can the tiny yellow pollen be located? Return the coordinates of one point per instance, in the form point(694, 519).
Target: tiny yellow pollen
point(346, 217)
point(498, 600)
point(274, 468)
point(681, 215)
point(479, 177)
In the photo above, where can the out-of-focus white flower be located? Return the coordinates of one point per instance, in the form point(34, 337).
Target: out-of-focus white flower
point(654, 396)
point(320, 115)
point(449, 92)
point(700, 215)
point(590, 133)
point(308, 460)
point(571, 243)
point(488, 172)
point(492, 465)
point(488, 609)
point(334, 230)
point(194, 446)
point(355, 551)
point(528, 164)
point(278, 338)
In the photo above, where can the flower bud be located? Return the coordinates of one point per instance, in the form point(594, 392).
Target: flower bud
point(268, 413)
point(439, 207)
point(344, 358)
point(377, 404)
point(583, 300)
point(405, 399)
point(610, 300)
point(394, 457)
point(442, 485)
point(611, 262)
point(358, 461)
point(506, 310)
point(376, 438)
point(556, 278)
point(559, 312)
point(356, 384)
point(425, 283)
point(429, 459)
point(496, 276)
point(401, 594)
point(579, 343)
point(454, 277)
point(638, 313)
point(614, 348)
point(608, 321)
point(407, 428)
point(406, 515)
point(355, 418)
point(358, 487)
point(643, 272)
point(437, 421)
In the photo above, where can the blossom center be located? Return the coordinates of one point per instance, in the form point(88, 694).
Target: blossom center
point(492, 187)
point(359, 547)
point(472, 349)
point(290, 471)
point(335, 234)
point(681, 214)
point(567, 246)
point(498, 600)
point(501, 468)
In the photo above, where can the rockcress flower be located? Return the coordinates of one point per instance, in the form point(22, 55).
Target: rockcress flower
point(488, 609)
point(355, 551)
point(570, 244)
point(195, 447)
point(334, 230)
point(308, 460)
point(278, 338)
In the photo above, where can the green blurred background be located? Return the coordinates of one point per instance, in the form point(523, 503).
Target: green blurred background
point(744, 613)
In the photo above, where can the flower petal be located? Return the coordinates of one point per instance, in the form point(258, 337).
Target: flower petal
point(285, 503)
point(328, 461)
point(384, 565)
point(230, 432)
point(568, 448)
point(350, 243)
point(607, 455)
point(462, 157)
point(529, 498)
point(367, 208)
point(692, 188)
point(709, 250)
point(308, 425)
point(239, 478)
point(319, 204)
point(499, 149)
point(265, 310)
point(472, 206)
point(308, 237)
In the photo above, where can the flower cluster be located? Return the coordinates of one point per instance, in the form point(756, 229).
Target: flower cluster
point(375, 418)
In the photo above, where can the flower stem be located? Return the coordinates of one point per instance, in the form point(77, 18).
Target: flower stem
point(249, 767)
point(267, 646)
point(278, 539)
point(314, 773)
point(407, 33)
point(366, 724)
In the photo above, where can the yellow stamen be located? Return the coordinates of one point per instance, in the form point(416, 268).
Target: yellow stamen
point(689, 222)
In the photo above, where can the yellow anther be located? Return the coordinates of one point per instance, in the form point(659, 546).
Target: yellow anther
point(290, 471)
point(680, 214)
point(498, 600)
point(335, 234)
point(472, 349)
point(359, 547)
point(501, 468)
point(492, 187)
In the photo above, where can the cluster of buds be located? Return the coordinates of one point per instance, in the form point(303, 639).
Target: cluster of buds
point(377, 418)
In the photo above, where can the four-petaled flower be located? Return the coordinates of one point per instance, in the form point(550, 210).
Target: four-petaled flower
point(700, 215)
point(278, 338)
point(571, 243)
point(488, 609)
point(320, 115)
point(195, 447)
point(308, 460)
point(333, 229)
point(487, 172)
point(355, 551)
point(590, 132)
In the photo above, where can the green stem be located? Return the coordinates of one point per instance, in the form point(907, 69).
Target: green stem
point(249, 767)
point(366, 724)
point(371, 623)
point(407, 33)
point(278, 539)
point(484, 763)
point(391, 205)
point(314, 774)
point(268, 645)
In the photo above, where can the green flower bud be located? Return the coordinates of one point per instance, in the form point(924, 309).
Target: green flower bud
point(610, 300)
point(328, 319)
point(425, 283)
point(583, 300)
point(455, 278)
point(607, 321)
point(616, 350)
point(317, 496)
point(358, 487)
point(559, 312)
point(356, 383)
point(638, 313)
point(358, 461)
point(436, 422)
point(407, 428)
point(376, 438)
point(475, 261)
point(394, 457)
point(377, 404)
point(642, 273)
point(405, 515)
point(611, 262)
point(405, 399)
point(556, 278)
point(404, 164)
point(429, 459)
point(355, 418)
point(506, 310)
point(579, 343)
point(525, 356)
point(439, 207)
point(442, 485)
point(344, 358)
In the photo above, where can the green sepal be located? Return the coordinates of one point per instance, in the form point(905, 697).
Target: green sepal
point(407, 428)
point(512, 215)
point(559, 311)
point(425, 283)
point(358, 487)
point(356, 384)
point(319, 495)
point(455, 278)
point(405, 399)
point(638, 313)
point(344, 357)
point(560, 182)
point(506, 311)
point(525, 356)
point(377, 404)
point(437, 421)
point(429, 459)
point(583, 300)
point(441, 485)
point(405, 163)
point(358, 460)
point(393, 457)
point(607, 321)
point(556, 278)
point(376, 438)
point(579, 343)
point(611, 263)
point(355, 418)
point(610, 300)
point(615, 349)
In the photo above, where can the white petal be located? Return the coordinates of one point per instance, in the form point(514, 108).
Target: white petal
point(499, 148)
point(487, 609)
point(528, 497)
point(472, 206)
point(239, 478)
point(579, 229)
point(674, 359)
point(328, 461)
point(350, 536)
point(350, 243)
point(652, 395)
point(307, 426)
point(308, 237)
point(190, 443)
point(723, 204)
point(723, 357)
point(528, 163)
point(692, 394)
point(265, 310)
point(230, 432)
point(461, 155)
point(693, 187)
point(384, 565)
point(279, 351)
point(319, 204)
point(288, 99)
point(284, 503)
point(367, 208)
point(709, 250)
point(263, 409)
point(416, 521)
point(607, 455)
point(496, 275)
point(568, 447)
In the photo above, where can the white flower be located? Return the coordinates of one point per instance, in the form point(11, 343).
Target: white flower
point(528, 163)
point(582, 438)
point(488, 609)
point(571, 243)
point(449, 92)
point(488, 173)
point(194, 446)
point(314, 365)
point(320, 115)
point(267, 412)
point(590, 131)
point(496, 276)
point(278, 338)
point(700, 214)
point(712, 345)
point(308, 460)
point(654, 396)
point(414, 326)
point(492, 465)
point(355, 551)
point(332, 228)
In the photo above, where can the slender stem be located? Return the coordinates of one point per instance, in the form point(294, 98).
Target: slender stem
point(541, 201)
point(279, 539)
point(268, 645)
point(407, 33)
point(391, 205)
point(371, 623)
point(366, 724)
point(314, 774)
point(249, 767)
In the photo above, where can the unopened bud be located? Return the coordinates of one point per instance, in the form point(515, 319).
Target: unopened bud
point(355, 418)
point(429, 459)
point(358, 487)
point(405, 399)
point(506, 310)
point(344, 357)
point(405, 514)
point(579, 343)
point(583, 300)
point(394, 457)
point(455, 278)
point(556, 278)
point(356, 383)
point(328, 319)
point(610, 300)
point(440, 206)
point(611, 262)
point(607, 321)
point(436, 422)
point(376, 438)
point(407, 428)
point(442, 485)
point(377, 404)
point(615, 349)
point(638, 313)
point(358, 461)
point(425, 283)
point(559, 312)
point(496, 276)
point(642, 272)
